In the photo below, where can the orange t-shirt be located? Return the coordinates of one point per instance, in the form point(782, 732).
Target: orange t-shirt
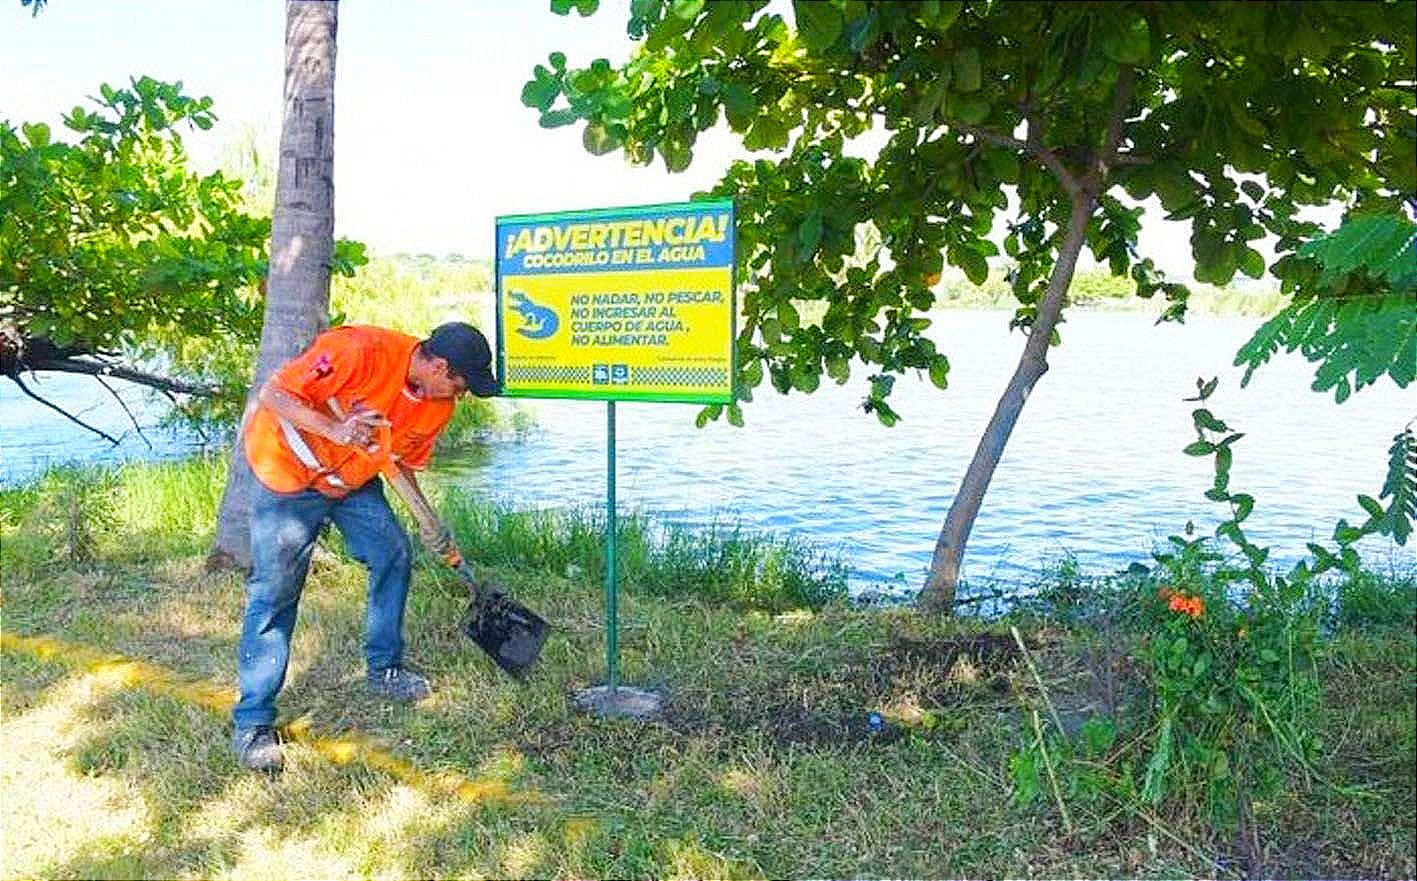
point(355, 366)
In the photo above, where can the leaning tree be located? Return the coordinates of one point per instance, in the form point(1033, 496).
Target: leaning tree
point(1233, 115)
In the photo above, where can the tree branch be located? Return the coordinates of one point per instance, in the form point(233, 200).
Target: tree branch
point(1032, 146)
point(94, 368)
point(998, 139)
point(1126, 77)
point(124, 404)
point(61, 411)
point(194, 424)
point(1035, 145)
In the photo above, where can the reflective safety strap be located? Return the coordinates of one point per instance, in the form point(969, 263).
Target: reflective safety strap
point(306, 455)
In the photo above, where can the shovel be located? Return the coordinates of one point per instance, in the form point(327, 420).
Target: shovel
point(511, 634)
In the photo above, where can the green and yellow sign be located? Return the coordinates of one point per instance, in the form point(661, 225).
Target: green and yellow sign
point(618, 304)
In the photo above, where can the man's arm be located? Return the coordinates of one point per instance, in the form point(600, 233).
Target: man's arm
point(356, 429)
point(435, 536)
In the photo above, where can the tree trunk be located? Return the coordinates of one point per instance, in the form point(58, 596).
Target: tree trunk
point(302, 240)
point(938, 594)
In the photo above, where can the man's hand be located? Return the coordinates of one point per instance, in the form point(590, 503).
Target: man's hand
point(436, 537)
point(439, 541)
point(358, 429)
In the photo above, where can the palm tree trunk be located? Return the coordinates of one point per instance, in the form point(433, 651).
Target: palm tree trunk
point(938, 594)
point(302, 240)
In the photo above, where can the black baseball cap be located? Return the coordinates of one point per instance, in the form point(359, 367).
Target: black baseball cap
point(467, 353)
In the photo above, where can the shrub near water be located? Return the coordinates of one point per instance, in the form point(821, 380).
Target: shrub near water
point(1235, 689)
point(1229, 702)
point(414, 294)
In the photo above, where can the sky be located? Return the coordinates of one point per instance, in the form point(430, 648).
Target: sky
point(431, 139)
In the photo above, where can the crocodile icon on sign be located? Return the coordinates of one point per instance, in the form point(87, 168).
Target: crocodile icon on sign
point(540, 322)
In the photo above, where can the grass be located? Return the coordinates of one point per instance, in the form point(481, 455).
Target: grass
point(764, 765)
point(723, 564)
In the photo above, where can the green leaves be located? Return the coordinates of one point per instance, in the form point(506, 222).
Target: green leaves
point(1400, 487)
point(1241, 504)
point(1383, 246)
point(1222, 99)
point(1251, 263)
point(37, 133)
point(1205, 419)
point(541, 91)
point(940, 371)
point(938, 15)
point(686, 10)
point(966, 69)
point(1352, 312)
point(818, 23)
point(584, 7)
point(967, 258)
point(971, 110)
point(809, 234)
point(111, 243)
point(876, 403)
point(1244, 504)
point(1154, 783)
point(676, 155)
point(1129, 43)
point(598, 139)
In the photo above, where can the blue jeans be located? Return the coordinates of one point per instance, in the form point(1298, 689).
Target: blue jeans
point(284, 527)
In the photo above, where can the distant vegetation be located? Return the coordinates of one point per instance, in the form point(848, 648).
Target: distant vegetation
point(1098, 288)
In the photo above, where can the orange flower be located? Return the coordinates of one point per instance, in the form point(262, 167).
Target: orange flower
point(1184, 605)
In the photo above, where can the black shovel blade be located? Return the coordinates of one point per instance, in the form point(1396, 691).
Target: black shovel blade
point(510, 633)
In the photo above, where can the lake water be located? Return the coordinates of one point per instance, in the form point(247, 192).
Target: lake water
point(1094, 468)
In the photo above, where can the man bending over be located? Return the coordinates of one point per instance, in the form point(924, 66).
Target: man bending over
point(325, 423)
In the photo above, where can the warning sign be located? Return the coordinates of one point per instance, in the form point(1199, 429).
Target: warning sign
point(618, 304)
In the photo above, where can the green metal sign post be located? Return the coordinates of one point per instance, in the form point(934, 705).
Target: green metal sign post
point(611, 619)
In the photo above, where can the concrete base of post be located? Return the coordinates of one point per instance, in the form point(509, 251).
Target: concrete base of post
point(621, 702)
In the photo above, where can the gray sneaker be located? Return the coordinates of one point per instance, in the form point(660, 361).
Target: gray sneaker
point(257, 749)
point(400, 684)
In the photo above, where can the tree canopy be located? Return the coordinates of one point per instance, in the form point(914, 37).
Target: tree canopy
point(1233, 115)
point(115, 258)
